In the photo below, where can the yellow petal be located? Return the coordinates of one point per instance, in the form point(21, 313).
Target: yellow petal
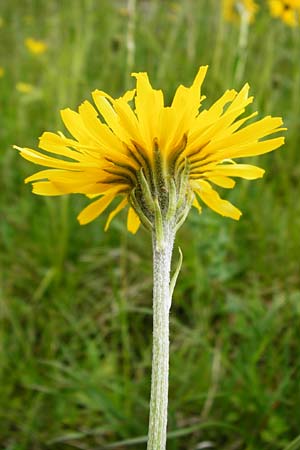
point(46, 188)
point(250, 133)
point(61, 187)
point(201, 141)
point(45, 174)
point(212, 199)
point(133, 221)
point(196, 205)
point(241, 100)
point(148, 103)
point(235, 126)
point(96, 128)
point(254, 149)
point(207, 117)
point(120, 206)
point(108, 142)
point(69, 187)
point(105, 108)
point(103, 103)
point(93, 210)
point(186, 103)
point(246, 171)
point(54, 143)
point(67, 175)
point(290, 17)
point(167, 121)
point(238, 102)
point(43, 160)
point(128, 120)
point(75, 126)
point(188, 99)
point(221, 181)
point(129, 95)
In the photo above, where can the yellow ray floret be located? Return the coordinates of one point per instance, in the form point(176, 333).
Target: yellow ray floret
point(237, 10)
point(157, 160)
point(35, 46)
point(286, 10)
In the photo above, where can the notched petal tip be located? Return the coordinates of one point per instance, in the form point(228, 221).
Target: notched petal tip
point(133, 221)
point(98, 92)
point(113, 213)
point(137, 74)
point(82, 219)
point(65, 110)
point(238, 216)
point(84, 104)
point(245, 89)
point(196, 205)
point(128, 96)
point(94, 209)
point(280, 141)
point(81, 222)
point(201, 73)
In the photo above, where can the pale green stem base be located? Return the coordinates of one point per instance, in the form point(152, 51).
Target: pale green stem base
point(160, 358)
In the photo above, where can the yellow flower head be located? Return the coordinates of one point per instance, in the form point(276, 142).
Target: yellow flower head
point(234, 10)
point(157, 160)
point(2, 72)
point(287, 10)
point(24, 88)
point(35, 46)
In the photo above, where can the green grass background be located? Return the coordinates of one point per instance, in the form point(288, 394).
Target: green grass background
point(75, 330)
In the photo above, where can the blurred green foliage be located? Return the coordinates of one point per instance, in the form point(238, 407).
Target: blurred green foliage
point(75, 334)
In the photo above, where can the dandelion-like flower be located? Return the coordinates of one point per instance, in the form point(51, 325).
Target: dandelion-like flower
point(154, 157)
point(35, 46)
point(286, 10)
point(2, 72)
point(24, 88)
point(158, 161)
point(233, 10)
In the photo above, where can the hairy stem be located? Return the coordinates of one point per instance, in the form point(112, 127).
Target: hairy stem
point(162, 255)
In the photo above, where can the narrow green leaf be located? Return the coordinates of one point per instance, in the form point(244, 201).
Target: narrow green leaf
point(175, 275)
point(294, 445)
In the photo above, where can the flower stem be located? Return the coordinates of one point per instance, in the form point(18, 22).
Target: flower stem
point(162, 255)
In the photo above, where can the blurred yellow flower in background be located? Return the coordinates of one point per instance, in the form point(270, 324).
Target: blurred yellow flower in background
point(153, 155)
point(2, 72)
point(233, 10)
point(286, 10)
point(36, 47)
point(24, 88)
